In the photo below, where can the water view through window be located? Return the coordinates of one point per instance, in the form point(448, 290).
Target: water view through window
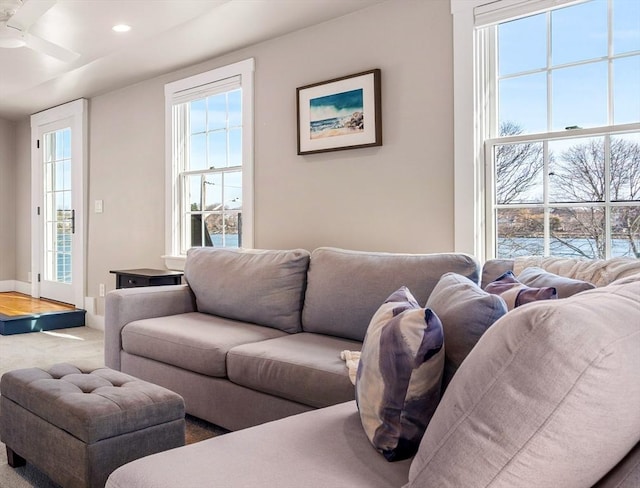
point(566, 154)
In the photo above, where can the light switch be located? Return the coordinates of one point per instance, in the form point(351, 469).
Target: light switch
point(98, 206)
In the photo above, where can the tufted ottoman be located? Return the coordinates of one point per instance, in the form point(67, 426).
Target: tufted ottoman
point(78, 425)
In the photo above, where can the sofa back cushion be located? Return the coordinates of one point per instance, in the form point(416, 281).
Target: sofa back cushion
point(566, 287)
point(257, 286)
point(345, 288)
point(548, 397)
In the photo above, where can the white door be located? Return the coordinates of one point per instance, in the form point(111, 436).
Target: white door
point(58, 193)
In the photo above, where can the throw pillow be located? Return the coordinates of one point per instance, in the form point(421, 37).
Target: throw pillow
point(515, 293)
point(548, 397)
point(466, 312)
point(566, 287)
point(399, 375)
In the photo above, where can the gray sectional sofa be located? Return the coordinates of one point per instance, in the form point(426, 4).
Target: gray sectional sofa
point(256, 336)
point(548, 397)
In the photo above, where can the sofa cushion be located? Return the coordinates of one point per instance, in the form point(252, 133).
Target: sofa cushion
point(566, 287)
point(345, 288)
point(325, 448)
point(466, 312)
point(193, 341)
point(258, 286)
point(305, 368)
point(399, 375)
point(516, 294)
point(548, 397)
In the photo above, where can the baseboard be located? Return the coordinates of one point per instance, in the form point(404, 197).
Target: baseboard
point(94, 321)
point(7, 285)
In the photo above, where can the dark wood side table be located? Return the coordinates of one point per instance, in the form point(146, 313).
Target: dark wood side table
point(131, 278)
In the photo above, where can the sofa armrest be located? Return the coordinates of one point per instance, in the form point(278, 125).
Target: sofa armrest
point(129, 304)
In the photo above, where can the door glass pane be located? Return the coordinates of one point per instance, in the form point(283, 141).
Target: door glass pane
point(579, 32)
point(520, 232)
point(577, 232)
point(576, 170)
point(58, 213)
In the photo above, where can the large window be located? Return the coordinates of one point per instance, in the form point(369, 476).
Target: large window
point(209, 159)
point(558, 128)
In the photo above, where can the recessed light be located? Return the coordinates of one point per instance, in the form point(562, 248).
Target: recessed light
point(121, 28)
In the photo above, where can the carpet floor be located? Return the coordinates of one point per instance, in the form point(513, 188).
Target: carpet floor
point(78, 345)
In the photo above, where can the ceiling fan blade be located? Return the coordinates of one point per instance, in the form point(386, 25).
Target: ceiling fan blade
point(49, 48)
point(29, 13)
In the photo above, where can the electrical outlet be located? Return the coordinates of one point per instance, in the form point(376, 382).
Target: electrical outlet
point(101, 289)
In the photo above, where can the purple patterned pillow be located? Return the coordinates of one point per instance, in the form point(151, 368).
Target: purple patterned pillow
point(399, 375)
point(515, 293)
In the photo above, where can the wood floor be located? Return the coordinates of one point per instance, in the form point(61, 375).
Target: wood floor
point(13, 304)
point(21, 314)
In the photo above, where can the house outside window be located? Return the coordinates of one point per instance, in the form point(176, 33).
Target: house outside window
point(557, 91)
point(209, 161)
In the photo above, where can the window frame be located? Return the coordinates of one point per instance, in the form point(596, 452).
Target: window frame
point(174, 257)
point(473, 94)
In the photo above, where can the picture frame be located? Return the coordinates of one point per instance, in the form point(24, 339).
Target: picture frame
point(342, 113)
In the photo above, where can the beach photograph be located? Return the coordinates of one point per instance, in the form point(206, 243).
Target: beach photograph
point(337, 114)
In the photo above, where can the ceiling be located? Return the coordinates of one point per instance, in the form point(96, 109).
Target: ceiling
point(166, 35)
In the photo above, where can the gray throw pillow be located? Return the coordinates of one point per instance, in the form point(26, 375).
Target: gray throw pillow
point(259, 286)
point(515, 293)
point(466, 312)
point(566, 287)
point(548, 397)
point(399, 375)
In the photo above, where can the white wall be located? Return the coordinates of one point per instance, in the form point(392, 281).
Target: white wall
point(7, 202)
point(398, 197)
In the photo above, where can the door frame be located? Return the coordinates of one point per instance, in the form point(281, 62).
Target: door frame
point(77, 112)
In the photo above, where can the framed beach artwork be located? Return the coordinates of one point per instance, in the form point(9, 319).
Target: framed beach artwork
point(343, 113)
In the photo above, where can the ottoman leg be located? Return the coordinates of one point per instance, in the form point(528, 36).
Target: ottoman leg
point(13, 459)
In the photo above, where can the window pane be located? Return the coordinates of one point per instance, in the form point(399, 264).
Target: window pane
point(625, 167)
point(625, 231)
point(519, 173)
point(198, 152)
point(198, 116)
point(218, 149)
point(520, 232)
point(193, 192)
point(217, 112)
point(213, 192)
point(572, 88)
point(523, 102)
point(626, 26)
point(66, 141)
point(59, 142)
point(235, 147)
point(577, 232)
point(233, 190)
point(234, 99)
point(576, 170)
point(522, 45)
point(626, 90)
point(579, 32)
